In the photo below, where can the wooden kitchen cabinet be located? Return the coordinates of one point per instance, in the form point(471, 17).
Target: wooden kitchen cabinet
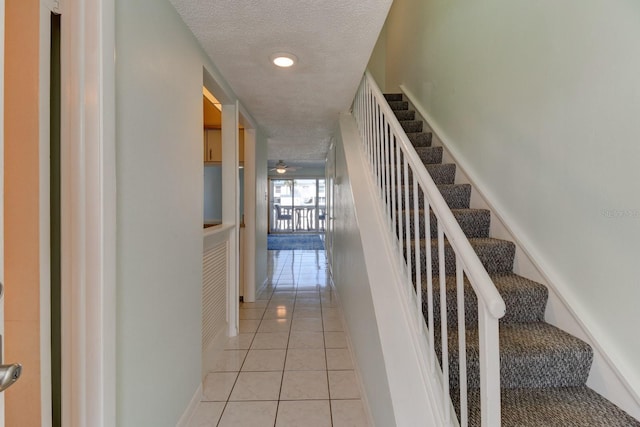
point(212, 144)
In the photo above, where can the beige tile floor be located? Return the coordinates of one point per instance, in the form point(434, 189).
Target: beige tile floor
point(290, 364)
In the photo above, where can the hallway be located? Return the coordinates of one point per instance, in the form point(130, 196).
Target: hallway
point(290, 365)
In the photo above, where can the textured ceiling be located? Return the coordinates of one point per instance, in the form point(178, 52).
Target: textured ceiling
point(297, 107)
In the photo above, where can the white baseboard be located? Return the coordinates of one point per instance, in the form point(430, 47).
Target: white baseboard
point(412, 392)
point(212, 353)
point(605, 377)
point(186, 417)
point(356, 366)
point(261, 288)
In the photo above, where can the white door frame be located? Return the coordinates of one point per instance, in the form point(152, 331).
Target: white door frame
point(2, 189)
point(88, 203)
point(46, 6)
point(44, 203)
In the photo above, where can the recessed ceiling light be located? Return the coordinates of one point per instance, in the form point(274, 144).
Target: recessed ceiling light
point(283, 60)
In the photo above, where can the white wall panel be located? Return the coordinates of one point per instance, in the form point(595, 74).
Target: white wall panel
point(214, 292)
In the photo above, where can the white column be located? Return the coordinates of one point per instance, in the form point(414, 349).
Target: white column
point(231, 206)
point(88, 201)
point(250, 194)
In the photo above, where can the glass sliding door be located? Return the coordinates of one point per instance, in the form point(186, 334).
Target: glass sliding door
point(297, 205)
point(281, 206)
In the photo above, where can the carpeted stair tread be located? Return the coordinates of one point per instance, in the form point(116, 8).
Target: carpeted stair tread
point(429, 155)
point(393, 97)
point(495, 254)
point(474, 222)
point(405, 114)
point(420, 139)
point(442, 173)
point(457, 196)
point(551, 407)
point(411, 125)
point(532, 355)
point(399, 105)
point(525, 299)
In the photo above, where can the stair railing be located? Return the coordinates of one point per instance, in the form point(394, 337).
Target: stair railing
point(393, 162)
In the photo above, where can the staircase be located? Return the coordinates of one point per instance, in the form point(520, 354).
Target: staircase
point(543, 370)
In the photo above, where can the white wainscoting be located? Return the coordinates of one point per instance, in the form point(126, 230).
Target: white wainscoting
point(215, 288)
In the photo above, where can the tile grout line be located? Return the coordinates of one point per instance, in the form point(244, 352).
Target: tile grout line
point(326, 361)
point(238, 376)
point(292, 286)
point(286, 352)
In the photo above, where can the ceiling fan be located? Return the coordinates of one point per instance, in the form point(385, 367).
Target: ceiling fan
point(281, 168)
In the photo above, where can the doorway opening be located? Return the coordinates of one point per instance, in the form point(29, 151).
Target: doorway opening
point(297, 205)
point(55, 222)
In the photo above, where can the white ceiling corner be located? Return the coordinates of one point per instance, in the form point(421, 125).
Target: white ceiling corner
point(297, 107)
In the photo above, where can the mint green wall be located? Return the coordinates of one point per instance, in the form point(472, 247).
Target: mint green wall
point(159, 213)
point(378, 60)
point(213, 192)
point(542, 100)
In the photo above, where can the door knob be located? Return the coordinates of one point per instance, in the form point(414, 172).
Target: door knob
point(9, 374)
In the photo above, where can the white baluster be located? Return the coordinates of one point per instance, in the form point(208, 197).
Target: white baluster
point(416, 237)
point(462, 342)
point(407, 224)
point(489, 367)
point(429, 261)
point(443, 323)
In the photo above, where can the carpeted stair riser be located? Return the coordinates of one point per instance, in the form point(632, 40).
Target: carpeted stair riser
point(441, 173)
point(420, 139)
point(457, 196)
point(534, 355)
point(525, 300)
point(429, 155)
point(405, 114)
point(555, 407)
point(496, 255)
point(399, 105)
point(393, 97)
point(474, 222)
point(412, 126)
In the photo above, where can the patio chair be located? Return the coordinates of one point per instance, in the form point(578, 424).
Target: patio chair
point(283, 215)
point(322, 216)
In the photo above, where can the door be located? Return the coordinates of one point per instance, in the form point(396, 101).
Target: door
point(1, 193)
point(9, 374)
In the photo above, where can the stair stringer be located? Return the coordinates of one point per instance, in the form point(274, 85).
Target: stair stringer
point(562, 311)
point(416, 391)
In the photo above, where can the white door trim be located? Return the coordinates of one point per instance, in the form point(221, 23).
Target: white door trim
point(231, 207)
point(88, 197)
point(2, 189)
point(249, 242)
point(44, 203)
